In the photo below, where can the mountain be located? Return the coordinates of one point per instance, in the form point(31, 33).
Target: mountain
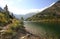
point(9, 25)
point(12, 28)
point(50, 13)
point(24, 16)
point(1, 9)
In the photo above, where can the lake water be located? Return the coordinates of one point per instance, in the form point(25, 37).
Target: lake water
point(41, 29)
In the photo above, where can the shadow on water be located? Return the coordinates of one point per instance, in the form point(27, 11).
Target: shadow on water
point(40, 28)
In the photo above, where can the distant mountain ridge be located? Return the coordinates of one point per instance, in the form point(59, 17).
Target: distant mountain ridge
point(24, 16)
point(1, 9)
point(29, 14)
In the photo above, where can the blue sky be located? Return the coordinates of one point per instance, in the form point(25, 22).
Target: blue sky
point(26, 6)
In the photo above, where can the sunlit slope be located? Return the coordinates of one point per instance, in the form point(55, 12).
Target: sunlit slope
point(51, 13)
point(9, 25)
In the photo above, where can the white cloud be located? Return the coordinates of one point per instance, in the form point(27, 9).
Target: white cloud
point(24, 11)
point(2, 3)
point(17, 10)
point(8, 2)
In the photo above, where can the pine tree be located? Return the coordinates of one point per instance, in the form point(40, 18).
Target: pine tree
point(6, 8)
point(6, 11)
point(22, 18)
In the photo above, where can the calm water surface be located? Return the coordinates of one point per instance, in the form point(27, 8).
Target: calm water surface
point(40, 28)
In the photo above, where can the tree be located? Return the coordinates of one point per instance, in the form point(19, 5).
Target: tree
point(22, 18)
point(6, 11)
point(12, 15)
point(6, 8)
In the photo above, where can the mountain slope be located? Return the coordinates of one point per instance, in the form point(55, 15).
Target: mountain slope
point(1, 9)
point(50, 13)
point(9, 25)
point(24, 16)
point(12, 28)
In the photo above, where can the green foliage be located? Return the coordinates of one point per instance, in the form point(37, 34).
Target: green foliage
point(22, 18)
point(3, 19)
point(9, 25)
point(50, 13)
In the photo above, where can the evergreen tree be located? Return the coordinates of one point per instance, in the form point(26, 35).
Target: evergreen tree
point(22, 18)
point(12, 15)
point(6, 8)
point(6, 11)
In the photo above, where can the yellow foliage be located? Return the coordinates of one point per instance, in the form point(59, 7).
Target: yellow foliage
point(9, 31)
point(2, 15)
point(2, 18)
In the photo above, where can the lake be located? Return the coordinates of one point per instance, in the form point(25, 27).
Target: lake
point(42, 29)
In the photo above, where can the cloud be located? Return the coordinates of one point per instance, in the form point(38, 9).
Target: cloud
point(2, 3)
point(8, 2)
point(17, 10)
point(23, 11)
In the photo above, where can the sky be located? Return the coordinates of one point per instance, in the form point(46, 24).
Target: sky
point(26, 6)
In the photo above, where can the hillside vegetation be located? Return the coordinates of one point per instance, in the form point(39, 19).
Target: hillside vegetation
point(12, 28)
point(9, 25)
point(50, 14)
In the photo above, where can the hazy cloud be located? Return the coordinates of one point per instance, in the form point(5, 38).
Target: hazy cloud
point(17, 10)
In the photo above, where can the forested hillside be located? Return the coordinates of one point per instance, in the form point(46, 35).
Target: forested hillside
point(9, 25)
point(50, 14)
point(12, 28)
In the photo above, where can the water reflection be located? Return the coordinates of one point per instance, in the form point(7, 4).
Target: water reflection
point(47, 30)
